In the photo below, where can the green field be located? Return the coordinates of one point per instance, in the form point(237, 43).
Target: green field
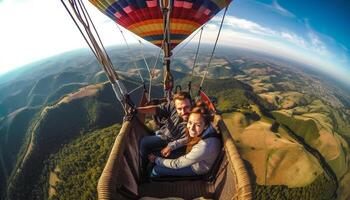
point(307, 129)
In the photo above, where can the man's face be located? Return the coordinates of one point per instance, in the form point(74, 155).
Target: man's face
point(183, 108)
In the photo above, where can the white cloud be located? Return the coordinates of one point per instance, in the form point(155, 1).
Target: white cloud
point(312, 43)
point(211, 26)
point(281, 10)
point(245, 25)
point(343, 47)
point(317, 45)
point(293, 38)
point(277, 8)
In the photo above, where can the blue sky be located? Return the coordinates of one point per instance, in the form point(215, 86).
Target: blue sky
point(313, 32)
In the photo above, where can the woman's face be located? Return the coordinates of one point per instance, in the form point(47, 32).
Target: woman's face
point(195, 124)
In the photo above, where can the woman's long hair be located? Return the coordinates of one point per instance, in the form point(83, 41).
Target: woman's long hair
point(200, 108)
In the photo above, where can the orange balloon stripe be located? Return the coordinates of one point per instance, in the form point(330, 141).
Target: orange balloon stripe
point(155, 27)
point(159, 22)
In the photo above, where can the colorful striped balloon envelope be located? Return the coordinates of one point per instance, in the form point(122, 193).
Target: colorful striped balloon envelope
point(145, 19)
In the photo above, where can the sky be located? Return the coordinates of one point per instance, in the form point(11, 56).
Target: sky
point(313, 32)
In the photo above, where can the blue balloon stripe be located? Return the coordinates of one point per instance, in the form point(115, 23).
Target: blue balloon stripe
point(160, 37)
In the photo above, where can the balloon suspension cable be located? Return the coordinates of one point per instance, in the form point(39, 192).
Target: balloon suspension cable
point(83, 22)
point(137, 38)
point(165, 6)
point(149, 71)
point(188, 41)
point(100, 41)
point(153, 72)
point(155, 64)
point(79, 28)
point(194, 62)
point(138, 87)
point(212, 53)
point(130, 53)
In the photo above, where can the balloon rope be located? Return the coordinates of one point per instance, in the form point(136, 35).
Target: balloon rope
point(78, 10)
point(149, 71)
point(81, 31)
point(98, 46)
point(130, 53)
point(144, 58)
point(188, 41)
point(195, 60)
point(212, 53)
point(155, 63)
point(98, 36)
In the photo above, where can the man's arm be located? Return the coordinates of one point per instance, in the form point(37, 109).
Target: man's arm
point(166, 151)
point(197, 154)
point(152, 110)
point(162, 110)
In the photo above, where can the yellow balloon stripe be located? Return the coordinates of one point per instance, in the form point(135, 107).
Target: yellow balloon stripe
point(156, 25)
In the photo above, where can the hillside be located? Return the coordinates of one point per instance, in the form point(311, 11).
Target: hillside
point(78, 165)
point(12, 127)
point(89, 108)
point(314, 109)
point(275, 157)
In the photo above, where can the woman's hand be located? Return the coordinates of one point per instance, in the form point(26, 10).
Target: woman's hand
point(166, 151)
point(152, 158)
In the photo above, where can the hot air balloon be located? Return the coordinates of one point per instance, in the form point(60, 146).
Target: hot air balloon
point(145, 18)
